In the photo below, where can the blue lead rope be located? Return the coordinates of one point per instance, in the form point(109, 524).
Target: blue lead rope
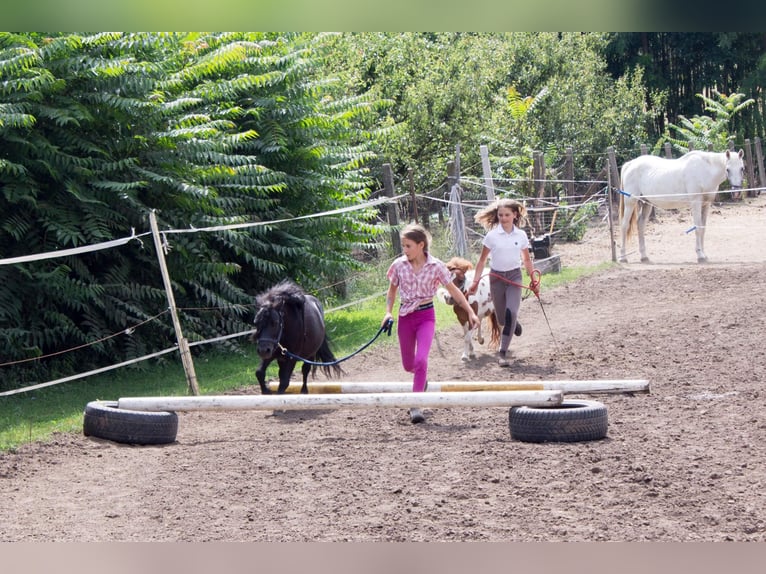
point(386, 327)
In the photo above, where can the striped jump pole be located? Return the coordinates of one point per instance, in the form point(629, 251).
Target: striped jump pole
point(536, 398)
point(573, 387)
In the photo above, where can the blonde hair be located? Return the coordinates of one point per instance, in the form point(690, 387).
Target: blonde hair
point(418, 234)
point(488, 219)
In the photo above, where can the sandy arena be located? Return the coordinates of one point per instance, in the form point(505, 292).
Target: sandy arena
point(686, 462)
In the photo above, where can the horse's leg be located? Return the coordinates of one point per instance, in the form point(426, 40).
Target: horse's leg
point(479, 338)
point(260, 374)
point(700, 232)
point(305, 370)
point(644, 210)
point(286, 368)
point(467, 343)
point(628, 207)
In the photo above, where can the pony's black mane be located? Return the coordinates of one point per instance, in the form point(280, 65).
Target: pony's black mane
point(283, 293)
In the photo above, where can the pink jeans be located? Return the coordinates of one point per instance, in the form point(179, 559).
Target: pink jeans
point(416, 333)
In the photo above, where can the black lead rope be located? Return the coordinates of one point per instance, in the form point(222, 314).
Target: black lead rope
point(387, 326)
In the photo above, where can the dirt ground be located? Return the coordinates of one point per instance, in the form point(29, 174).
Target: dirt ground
point(686, 462)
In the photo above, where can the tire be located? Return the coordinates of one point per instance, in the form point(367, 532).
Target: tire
point(571, 421)
point(103, 419)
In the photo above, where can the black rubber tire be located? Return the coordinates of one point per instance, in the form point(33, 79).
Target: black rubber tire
point(571, 421)
point(103, 419)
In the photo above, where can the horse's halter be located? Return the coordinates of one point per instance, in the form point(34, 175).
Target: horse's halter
point(454, 276)
point(275, 341)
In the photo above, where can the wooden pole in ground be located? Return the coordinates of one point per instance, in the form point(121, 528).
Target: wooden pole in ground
point(610, 162)
point(487, 172)
point(393, 209)
point(569, 175)
point(411, 180)
point(759, 160)
point(183, 344)
point(340, 401)
point(750, 169)
point(538, 177)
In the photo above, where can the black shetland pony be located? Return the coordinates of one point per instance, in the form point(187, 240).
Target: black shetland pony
point(289, 324)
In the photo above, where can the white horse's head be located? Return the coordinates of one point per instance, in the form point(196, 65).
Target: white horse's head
point(735, 168)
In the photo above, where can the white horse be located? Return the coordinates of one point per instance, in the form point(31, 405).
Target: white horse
point(691, 180)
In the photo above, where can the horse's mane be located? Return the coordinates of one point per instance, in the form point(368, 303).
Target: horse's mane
point(459, 263)
point(283, 293)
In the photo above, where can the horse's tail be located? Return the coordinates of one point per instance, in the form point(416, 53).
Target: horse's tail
point(633, 223)
point(325, 355)
point(494, 337)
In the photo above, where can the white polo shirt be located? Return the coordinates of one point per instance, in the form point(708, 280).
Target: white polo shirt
point(505, 248)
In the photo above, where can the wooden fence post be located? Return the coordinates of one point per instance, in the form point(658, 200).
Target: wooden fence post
point(611, 165)
point(614, 173)
point(759, 159)
point(733, 148)
point(487, 171)
point(393, 209)
point(410, 179)
point(183, 344)
point(569, 174)
point(457, 217)
point(538, 183)
point(750, 169)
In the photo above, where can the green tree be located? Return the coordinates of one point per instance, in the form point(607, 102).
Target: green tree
point(471, 89)
point(679, 65)
point(703, 132)
point(205, 129)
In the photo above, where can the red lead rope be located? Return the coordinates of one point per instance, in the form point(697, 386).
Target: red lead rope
point(533, 280)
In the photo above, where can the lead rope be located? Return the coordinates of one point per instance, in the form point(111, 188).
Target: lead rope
point(386, 327)
point(535, 278)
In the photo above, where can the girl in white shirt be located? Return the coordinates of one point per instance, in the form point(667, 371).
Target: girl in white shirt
point(507, 245)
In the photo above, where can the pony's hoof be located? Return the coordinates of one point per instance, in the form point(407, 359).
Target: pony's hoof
point(622, 260)
point(645, 260)
point(701, 259)
point(465, 358)
point(416, 416)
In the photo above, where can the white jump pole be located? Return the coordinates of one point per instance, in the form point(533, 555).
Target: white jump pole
point(574, 387)
point(338, 401)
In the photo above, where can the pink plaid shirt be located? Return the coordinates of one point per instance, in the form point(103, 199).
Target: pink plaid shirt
point(417, 288)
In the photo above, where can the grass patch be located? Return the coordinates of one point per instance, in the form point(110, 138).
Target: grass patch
point(37, 415)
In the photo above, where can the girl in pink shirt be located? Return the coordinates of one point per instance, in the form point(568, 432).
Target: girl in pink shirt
point(416, 275)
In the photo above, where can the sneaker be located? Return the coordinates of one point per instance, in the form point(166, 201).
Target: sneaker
point(502, 360)
point(517, 330)
point(416, 416)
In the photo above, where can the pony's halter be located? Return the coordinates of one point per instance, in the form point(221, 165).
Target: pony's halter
point(453, 276)
point(275, 341)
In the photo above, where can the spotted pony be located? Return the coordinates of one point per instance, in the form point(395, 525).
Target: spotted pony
point(481, 301)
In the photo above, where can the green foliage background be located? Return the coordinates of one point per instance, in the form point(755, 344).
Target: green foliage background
point(98, 130)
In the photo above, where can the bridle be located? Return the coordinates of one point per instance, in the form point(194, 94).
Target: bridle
point(460, 285)
point(275, 341)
